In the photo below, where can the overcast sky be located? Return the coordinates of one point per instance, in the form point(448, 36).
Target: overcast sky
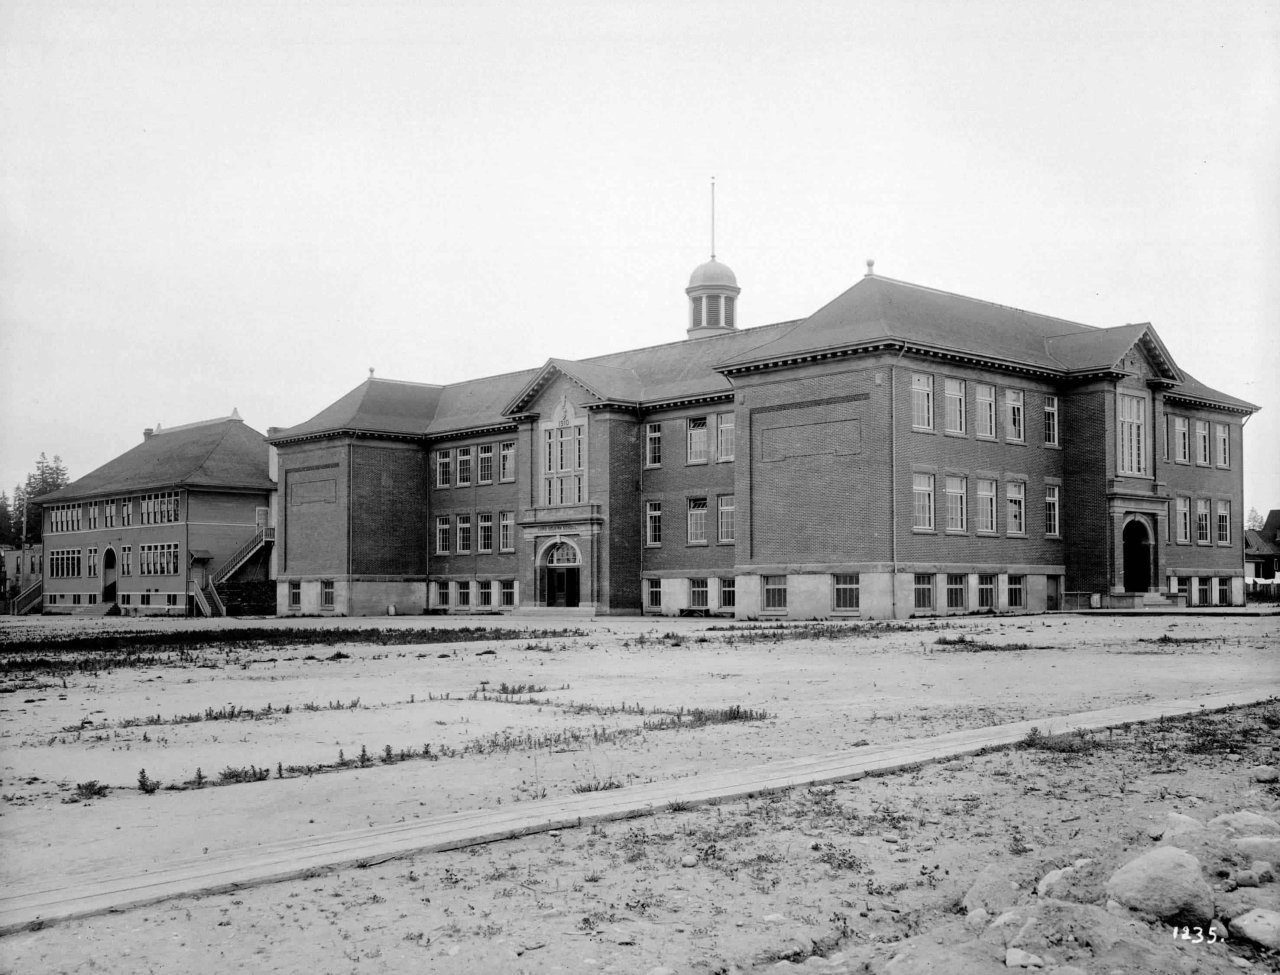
point(217, 205)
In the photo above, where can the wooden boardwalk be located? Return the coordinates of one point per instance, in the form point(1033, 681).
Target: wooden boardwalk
point(22, 908)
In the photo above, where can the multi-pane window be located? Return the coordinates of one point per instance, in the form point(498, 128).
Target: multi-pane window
point(464, 534)
point(697, 521)
point(326, 594)
point(775, 592)
point(922, 501)
point(484, 528)
point(725, 518)
point(728, 593)
point(653, 593)
point(1017, 592)
point(1223, 433)
point(1224, 591)
point(957, 504)
point(953, 393)
point(1203, 591)
point(698, 594)
point(724, 436)
point(845, 591)
point(484, 464)
point(126, 560)
point(1014, 416)
point(921, 401)
point(506, 531)
point(987, 591)
point(64, 518)
point(1015, 493)
point(92, 560)
point(464, 595)
point(160, 509)
point(64, 563)
point(93, 516)
point(507, 592)
point(464, 466)
point(1202, 441)
point(126, 512)
point(922, 591)
point(507, 460)
point(295, 595)
point(442, 594)
point(484, 593)
point(109, 513)
point(1051, 421)
point(1181, 439)
point(1132, 431)
point(986, 504)
point(565, 467)
point(957, 585)
point(697, 440)
point(158, 560)
point(986, 400)
point(1202, 521)
point(444, 468)
point(653, 523)
point(653, 445)
point(1051, 500)
point(1184, 519)
point(1224, 524)
point(443, 533)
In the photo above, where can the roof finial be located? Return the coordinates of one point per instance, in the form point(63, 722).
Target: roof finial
point(713, 218)
point(371, 372)
point(871, 267)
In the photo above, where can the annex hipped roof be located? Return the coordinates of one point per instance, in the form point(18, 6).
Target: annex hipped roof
point(376, 406)
point(223, 453)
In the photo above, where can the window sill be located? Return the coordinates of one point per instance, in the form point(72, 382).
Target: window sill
point(957, 532)
point(923, 531)
point(653, 545)
point(653, 467)
point(696, 463)
point(727, 542)
point(955, 433)
point(1015, 443)
point(916, 429)
point(990, 437)
point(696, 544)
point(1016, 534)
point(1053, 446)
point(984, 533)
point(724, 460)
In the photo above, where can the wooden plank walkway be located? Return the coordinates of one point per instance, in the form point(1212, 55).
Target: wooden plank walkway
point(23, 908)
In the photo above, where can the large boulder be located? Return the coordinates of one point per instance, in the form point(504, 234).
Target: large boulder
point(1260, 848)
point(994, 891)
point(1260, 926)
point(1245, 824)
point(1164, 883)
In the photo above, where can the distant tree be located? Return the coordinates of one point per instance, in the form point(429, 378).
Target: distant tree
point(48, 476)
point(1254, 521)
point(7, 521)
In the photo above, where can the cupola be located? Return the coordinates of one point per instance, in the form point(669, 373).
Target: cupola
point(713, 294)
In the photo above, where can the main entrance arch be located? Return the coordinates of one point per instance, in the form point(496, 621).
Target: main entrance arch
point(560, 575)
point(1137, 557)
point(109, 575)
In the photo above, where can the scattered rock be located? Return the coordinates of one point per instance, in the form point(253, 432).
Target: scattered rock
point(688, 860)
point(1245, 824)
point(1246, 878)
point(977, 920)
point(1260, 926)
point(1176, 824)
point(1083, 882)
point(1017, 958)
point(661, 970)
point(1164, 883)
point(993, 891)
point(1260, 847)
point(1264, 870)
point(1264, 773)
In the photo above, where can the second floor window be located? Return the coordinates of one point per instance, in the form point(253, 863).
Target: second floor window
point(1051, 421)
point(726, 518)
point(697, 521)
point(697, 440)
point(464, 466)
point(484, 526)
point(1224, 444)
point(986, 505)
point(724, 436)
point(1202, 442)
point(922, 401)
point(653, 523)
point(565, 464)
point(1132, 431)
point(922, 501)
point(507, 460)
point(484, 463)
point(444, 468)
point(109, 513)
point(986, 398)
point(957, 504)
point(1224, 524)
point(1181, 439)
point(954, 392)
point(1016, 494)
point(1184, 519)
point(464, 534)
point(1051, 492)
point(653, 445)
point(1202, 521)
point(506, 531)
point(443, 533)
point(1015, 423)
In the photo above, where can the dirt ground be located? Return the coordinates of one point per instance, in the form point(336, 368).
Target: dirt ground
point(809, 874)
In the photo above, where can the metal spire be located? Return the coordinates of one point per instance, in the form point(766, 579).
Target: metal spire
point(713, 218)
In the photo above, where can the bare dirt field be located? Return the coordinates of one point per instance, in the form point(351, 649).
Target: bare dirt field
point(314, 738)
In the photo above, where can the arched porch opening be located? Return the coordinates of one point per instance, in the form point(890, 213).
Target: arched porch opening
point(1137, 557)
point(560, 575)
point(109, 575)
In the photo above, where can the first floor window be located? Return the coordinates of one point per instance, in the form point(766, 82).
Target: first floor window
point(484, 593)
point(653, 523)
point(987, 591)
point(1224, 525)
point(922, 501)
point(93, 516)
point(443, 532)
point(1017, 592)
point(92, 558)
point(923, 591)
point(697, 521)
point(1224, 444)
point(464, 534)
point(326, 594)
point(109, 513)
point(507, 460)
point(922, 401)
point(1203, 591)
point(158, 560)
point(1051, 509)
point(724, 436)
point(775, 592)
point(126, 560)
point(653, 445)
point(653, 593)
point(1016, 494)
point(698, 593)
point(1224, 591)
point(728, 593)
point(697, 440)
point(485, 525)
point(1202, 441)
point(1132, 431)
point(1051, 421)
point(464, 594)
point(846, 591)
point(295, 595)
point(508, 592)
point(1181, 439)
point(444, 468)
point(484, 474)
point(725, 518)
point(464, 467)
point(1202, 521)
point(986, 399)
point(64, 563)
point(506, 531)
point(442, 593)
point(956, 586)
point(986, 505)
point(953, 390)
point(1184, 519)
point(957, 504)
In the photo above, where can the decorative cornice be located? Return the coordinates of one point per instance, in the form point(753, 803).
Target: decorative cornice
point(929, 352)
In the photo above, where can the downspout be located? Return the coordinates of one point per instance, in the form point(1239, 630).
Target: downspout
point(186, 554)
point(643, 428)
point(893, 478)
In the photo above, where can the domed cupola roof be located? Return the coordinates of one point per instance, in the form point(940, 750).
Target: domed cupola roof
point(712, 274)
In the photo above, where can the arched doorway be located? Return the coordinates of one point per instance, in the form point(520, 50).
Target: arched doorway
point(109, 576)
point(1137, 557)
point(561, 575)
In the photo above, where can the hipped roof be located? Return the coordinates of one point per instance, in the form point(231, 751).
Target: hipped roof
point(222, 453)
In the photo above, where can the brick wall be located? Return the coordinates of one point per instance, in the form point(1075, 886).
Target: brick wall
point(1087, 438)
point(311, 532)
point(388, 514)
point(615, 464)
